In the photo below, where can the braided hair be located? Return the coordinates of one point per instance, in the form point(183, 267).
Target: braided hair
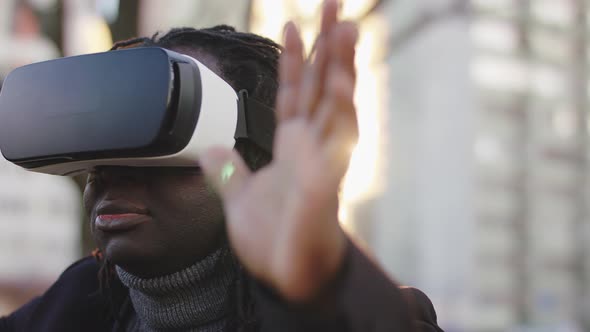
point(245, 61)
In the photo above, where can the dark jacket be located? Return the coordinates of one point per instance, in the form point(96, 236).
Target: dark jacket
point(362, 298)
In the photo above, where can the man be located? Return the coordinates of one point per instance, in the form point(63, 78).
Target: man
point(266, 252)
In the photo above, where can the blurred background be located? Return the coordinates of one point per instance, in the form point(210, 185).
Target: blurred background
point(471, 176)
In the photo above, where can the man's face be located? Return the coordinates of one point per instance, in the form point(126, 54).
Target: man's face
point(153, 221)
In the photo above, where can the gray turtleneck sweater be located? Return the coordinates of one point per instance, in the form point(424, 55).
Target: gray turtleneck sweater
point(194, 299)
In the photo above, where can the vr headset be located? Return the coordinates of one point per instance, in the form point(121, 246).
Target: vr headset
point(134, 107)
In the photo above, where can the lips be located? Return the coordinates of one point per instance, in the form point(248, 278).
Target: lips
point(119, 216)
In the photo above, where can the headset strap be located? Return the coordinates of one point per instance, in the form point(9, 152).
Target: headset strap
point(256, 122)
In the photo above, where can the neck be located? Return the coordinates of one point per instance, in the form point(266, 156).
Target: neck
point(196, 298)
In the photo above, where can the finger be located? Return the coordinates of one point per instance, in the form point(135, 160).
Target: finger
point(311, 88)
point(329, 16)
point(225, 170)
point(290, 68)
point(313, 81)
point(340, 83)
point(337, 151)
point(342, 45)
point(337, 125)
point(328, 20)
point(337, 111)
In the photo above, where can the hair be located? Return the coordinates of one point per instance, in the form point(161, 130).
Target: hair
point(246, 61)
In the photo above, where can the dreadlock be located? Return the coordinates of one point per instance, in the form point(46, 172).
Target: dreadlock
point(246, 61)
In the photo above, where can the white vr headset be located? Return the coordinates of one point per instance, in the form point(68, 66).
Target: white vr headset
point(135, 107)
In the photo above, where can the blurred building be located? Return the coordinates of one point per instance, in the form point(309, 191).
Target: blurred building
point(530, 67)
point(39, 214)
point(488, 163)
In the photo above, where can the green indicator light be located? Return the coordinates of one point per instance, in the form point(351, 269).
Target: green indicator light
point(227, 171)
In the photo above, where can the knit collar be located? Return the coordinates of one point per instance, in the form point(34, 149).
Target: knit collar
point(193, 299)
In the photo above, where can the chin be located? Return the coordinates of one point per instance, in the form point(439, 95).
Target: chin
point(128, 253)
point(139, 257)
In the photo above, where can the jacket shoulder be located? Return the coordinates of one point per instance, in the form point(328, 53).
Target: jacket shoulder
point(82, 273)
point(72, 303)
point(421, 307)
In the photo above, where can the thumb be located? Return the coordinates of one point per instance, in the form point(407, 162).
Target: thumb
point(225, 170)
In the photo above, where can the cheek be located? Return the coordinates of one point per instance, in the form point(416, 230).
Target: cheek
point(187, 201)
point(189, 218)
point(88, 197)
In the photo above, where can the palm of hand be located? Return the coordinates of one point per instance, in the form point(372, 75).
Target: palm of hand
point(286, 213)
